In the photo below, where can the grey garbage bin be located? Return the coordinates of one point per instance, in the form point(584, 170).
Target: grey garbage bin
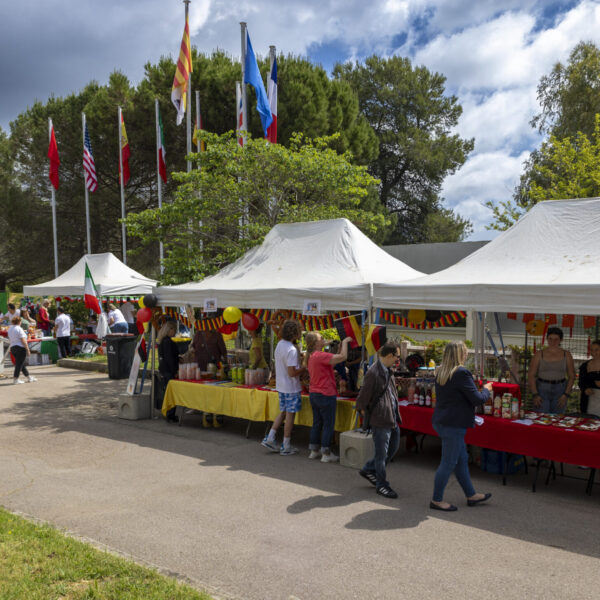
point(120, 348)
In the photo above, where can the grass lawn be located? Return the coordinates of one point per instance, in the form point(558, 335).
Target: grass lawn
point(38, 562)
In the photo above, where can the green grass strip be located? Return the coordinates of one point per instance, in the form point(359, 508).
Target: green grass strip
point(37, 562)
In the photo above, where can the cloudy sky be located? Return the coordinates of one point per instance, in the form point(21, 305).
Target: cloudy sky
point(493, 53)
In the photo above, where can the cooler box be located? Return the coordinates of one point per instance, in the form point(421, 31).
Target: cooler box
point(356, 448)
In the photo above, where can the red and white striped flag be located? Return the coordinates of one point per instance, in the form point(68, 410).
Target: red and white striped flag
point(90, 294)
point(272, 94)
point(89, 166)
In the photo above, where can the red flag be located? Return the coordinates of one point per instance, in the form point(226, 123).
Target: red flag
point(589, 322)
point(272, 94)
point(54, 159)
point(568, 321)
point(125, 152)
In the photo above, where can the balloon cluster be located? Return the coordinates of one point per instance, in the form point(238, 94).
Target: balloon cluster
point(144, 314)
point(232, 315)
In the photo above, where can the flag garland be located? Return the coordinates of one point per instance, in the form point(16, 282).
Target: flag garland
point(445, 321)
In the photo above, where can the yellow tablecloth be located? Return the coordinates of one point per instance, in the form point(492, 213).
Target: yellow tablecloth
point(246, 403)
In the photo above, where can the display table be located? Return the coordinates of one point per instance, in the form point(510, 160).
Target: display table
point(571, 446)
point(253, 403)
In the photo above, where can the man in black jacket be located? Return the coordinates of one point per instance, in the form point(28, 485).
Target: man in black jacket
point(378, 402)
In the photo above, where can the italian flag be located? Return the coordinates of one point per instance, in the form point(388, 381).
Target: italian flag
point(89, 292)
point(162, 152)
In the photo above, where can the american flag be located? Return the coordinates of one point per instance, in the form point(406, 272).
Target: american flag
point(91, 180)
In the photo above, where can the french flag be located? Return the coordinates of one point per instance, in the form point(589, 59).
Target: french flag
point(272, 95)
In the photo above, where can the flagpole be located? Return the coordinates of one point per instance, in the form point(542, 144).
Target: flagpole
point(123, 235)
point(53, 210)
point(198, 124)
point(188, 100)
point(159, 180)
point(87, 197)
point(244, 111)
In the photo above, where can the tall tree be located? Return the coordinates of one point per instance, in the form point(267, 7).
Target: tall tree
point(239, 194)
point(570, 101)
point(412, 118)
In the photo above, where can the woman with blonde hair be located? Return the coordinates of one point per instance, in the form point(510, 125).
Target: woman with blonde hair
point(457, 397)
point(323, 394)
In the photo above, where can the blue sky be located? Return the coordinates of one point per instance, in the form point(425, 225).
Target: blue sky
point(492, 52)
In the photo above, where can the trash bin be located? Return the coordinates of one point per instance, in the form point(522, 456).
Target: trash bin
point(120, 348)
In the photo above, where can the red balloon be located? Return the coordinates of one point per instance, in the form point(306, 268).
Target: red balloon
point(250, 321)
point(144, 315)
point(229, 328)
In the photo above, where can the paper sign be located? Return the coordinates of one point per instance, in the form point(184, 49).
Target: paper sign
point(312, 308)
point(135, 369)
point(210, 305)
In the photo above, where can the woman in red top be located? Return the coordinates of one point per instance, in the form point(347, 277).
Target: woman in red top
point(323, 394)
point(43, 318)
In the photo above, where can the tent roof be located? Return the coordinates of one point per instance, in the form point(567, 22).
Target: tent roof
point(331, 261)
point(549, 261)
point(111, 276)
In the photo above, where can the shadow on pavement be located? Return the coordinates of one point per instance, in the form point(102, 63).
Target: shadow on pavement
point(560, 515)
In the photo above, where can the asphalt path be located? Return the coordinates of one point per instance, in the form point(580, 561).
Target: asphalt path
point(217, 509)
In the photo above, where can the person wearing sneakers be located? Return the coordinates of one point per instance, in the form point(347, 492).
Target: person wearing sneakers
point(323, 394)
point(287, 376)
point(378, 402)
point(457, 397)
point(19, 349)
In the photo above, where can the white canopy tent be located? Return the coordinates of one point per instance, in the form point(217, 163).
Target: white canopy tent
point(111, 276)
point(330, 261)
point(549, 261)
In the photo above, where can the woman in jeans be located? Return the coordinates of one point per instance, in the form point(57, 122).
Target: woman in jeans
point(551, 375)
point(323, 394)
point(19, 349)
point(457, 397)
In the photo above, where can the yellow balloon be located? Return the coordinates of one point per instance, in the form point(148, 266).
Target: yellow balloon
point(232, 314)
point(416, 316)
point(141, 302)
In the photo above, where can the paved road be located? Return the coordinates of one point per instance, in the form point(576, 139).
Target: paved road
point(215, 507)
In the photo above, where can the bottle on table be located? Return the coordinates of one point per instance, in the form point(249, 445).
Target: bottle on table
point(428, 397)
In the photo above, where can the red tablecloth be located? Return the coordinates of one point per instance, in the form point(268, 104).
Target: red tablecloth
point(574, 447)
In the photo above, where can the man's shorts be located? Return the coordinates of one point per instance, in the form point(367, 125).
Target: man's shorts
point(290, 402)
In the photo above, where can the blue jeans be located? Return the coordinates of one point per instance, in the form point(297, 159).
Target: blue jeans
point(120, 327)
point(550, 393)
point(454, 458)
point(386, 442)
point(323, 408)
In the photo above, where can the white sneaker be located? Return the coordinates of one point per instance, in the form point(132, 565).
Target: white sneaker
point(331, 457)
point(314, 454)
point(271, 445)
point(287, 451)
point(32, 379)
point(17, 380)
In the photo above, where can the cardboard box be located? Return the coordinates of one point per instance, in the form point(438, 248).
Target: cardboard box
point(356, 448)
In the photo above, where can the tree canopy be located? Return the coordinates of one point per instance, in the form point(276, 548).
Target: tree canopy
point(412, 118)
point(238, 194)
point(565, 164)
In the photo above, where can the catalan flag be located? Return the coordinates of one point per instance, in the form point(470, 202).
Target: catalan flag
point(179, 91)
point(125, 152)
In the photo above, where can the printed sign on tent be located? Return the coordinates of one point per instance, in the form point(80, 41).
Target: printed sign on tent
point(210, 305)
point(312, 308)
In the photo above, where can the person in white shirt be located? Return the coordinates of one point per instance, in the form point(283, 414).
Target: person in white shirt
point(19, 349)
point(116, 320)
point(128, 310)
point(11, 313)
point(62, 328)
point(287, 376)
